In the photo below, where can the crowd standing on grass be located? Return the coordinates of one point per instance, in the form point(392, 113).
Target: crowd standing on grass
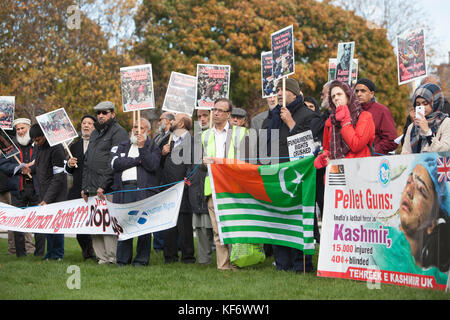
point(348, 122)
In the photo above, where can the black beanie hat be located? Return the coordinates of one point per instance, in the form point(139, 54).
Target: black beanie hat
point(36, 131)
point(369, 84)
point(89, 116)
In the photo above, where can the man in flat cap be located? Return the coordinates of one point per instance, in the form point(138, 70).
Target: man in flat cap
point(385, 131)
point(25, 193)
point(237, 117)
point(290, 120)
point(98, 175)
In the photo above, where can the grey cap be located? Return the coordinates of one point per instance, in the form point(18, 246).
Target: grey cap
point(105, 105)
point(238, 112)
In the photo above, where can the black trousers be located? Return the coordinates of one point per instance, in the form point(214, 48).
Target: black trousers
point(290, 259)
point(85, 242)
point(124, 253)
point(185, 232)
point(27, 198)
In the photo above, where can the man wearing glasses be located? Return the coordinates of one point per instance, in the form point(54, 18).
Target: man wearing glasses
point(97, 172)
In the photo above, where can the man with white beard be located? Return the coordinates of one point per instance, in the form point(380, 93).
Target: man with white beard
point(135, 165)
point(74, 167)
point(26, 193)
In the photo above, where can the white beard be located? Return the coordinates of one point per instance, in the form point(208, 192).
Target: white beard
point(133, 139)
point(25, 140)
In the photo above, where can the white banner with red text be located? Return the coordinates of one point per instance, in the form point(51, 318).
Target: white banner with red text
point(386, 220)
point(156, 213)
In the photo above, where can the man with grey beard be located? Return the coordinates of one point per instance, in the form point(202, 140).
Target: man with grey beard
point(26, 193)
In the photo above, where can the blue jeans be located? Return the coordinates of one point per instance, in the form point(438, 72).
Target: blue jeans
point(55, 246)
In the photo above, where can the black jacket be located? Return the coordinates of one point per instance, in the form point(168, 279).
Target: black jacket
point(302, 117)
point(147, 165)
point(196, 190)
point(51, 178)
point(97, 171)
point(77, 173)
point(27, 154)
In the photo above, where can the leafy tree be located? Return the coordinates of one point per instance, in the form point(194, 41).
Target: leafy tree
point(178, 35)
point(48, 62)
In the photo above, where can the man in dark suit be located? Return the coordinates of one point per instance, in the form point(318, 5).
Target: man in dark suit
point(75, 167)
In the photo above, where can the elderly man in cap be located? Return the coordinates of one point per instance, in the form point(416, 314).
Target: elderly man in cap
point(26, 191)
point(237, 117)
point(385, 131)
point(97, 172)
point(291, 119)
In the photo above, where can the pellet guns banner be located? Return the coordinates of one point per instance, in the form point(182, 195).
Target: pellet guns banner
point(152, 214)
point(386, 220)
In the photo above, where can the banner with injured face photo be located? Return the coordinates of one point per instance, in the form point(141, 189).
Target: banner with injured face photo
point(386, 220)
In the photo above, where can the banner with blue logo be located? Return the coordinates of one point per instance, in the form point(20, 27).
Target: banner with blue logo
point(386, 220)
point(97, 216)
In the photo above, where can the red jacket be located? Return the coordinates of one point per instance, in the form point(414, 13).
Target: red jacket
point(356, 138)
point(385, 131)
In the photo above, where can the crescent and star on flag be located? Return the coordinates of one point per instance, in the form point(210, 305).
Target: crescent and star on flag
point(296, 181)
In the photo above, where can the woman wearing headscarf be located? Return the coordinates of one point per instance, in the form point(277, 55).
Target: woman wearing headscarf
point(349, 131)
point(432, 132)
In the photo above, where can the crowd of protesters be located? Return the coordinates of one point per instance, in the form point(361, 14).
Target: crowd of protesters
point(348, 122)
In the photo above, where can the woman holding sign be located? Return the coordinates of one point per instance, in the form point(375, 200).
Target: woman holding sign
point(349, 131)
point(430, 131)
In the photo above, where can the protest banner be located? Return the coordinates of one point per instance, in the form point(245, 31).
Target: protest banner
point(411, 56)
point(7, 146)
point(332, 69)
point(354, 74)
point(344, 61)
point(283, 60)
point(386, 219)
point(267, 80)
point(180, 94)
point(137, 87)
point(7, 104)
point(300, 145)
point(213, 82)
point(97, 216)
point(57, 127)
point(271, 204)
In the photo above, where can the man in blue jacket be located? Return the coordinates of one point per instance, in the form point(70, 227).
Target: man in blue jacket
point(135, 165)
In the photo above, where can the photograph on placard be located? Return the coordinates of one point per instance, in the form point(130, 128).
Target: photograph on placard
point(7, 146)
point(332, 69)
point(267, 79)
point(344, 61)
point(180, 94)
point(411, 61)
point(354, 74)
point(283, 60)
point(7, 104)
point(213, 82)
point(57, 127)
point(137, 88)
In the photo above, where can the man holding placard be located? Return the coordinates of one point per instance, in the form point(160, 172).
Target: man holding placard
point(290, 117)
point(97, 172)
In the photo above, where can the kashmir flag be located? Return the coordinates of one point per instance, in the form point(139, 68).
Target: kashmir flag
point(271, 204)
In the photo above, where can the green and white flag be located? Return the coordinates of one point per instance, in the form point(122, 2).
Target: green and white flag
point(271, 204)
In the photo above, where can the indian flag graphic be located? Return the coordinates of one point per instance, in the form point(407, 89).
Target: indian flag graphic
point(271, 204)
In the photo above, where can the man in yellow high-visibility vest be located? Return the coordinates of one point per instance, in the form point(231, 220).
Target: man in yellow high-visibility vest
point(222, 140)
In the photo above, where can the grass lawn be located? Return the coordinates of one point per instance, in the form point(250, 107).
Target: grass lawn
point(32, 278)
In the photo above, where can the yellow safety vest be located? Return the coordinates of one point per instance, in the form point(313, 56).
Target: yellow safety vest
point(234, 138)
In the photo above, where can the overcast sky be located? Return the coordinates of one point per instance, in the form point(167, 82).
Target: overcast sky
point(439, 15)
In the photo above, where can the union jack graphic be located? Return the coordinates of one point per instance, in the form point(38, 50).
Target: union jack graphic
point(443, 169)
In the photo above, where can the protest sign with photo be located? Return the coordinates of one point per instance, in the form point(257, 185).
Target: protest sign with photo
point(137, 88)
point(180, 94)
point(300, 145)
point(7, 105)
point(354, 76)
point(411, 61)
point(283, 61)
point(57, 127)
point(332, 69)
point(386, 220)
point(7, 146)
point(213, 82)
point(344, 61)
point(267, 79)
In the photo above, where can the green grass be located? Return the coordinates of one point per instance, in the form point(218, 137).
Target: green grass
point(32, 278)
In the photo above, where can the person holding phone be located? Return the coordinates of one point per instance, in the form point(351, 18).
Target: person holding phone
point(430, 131)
